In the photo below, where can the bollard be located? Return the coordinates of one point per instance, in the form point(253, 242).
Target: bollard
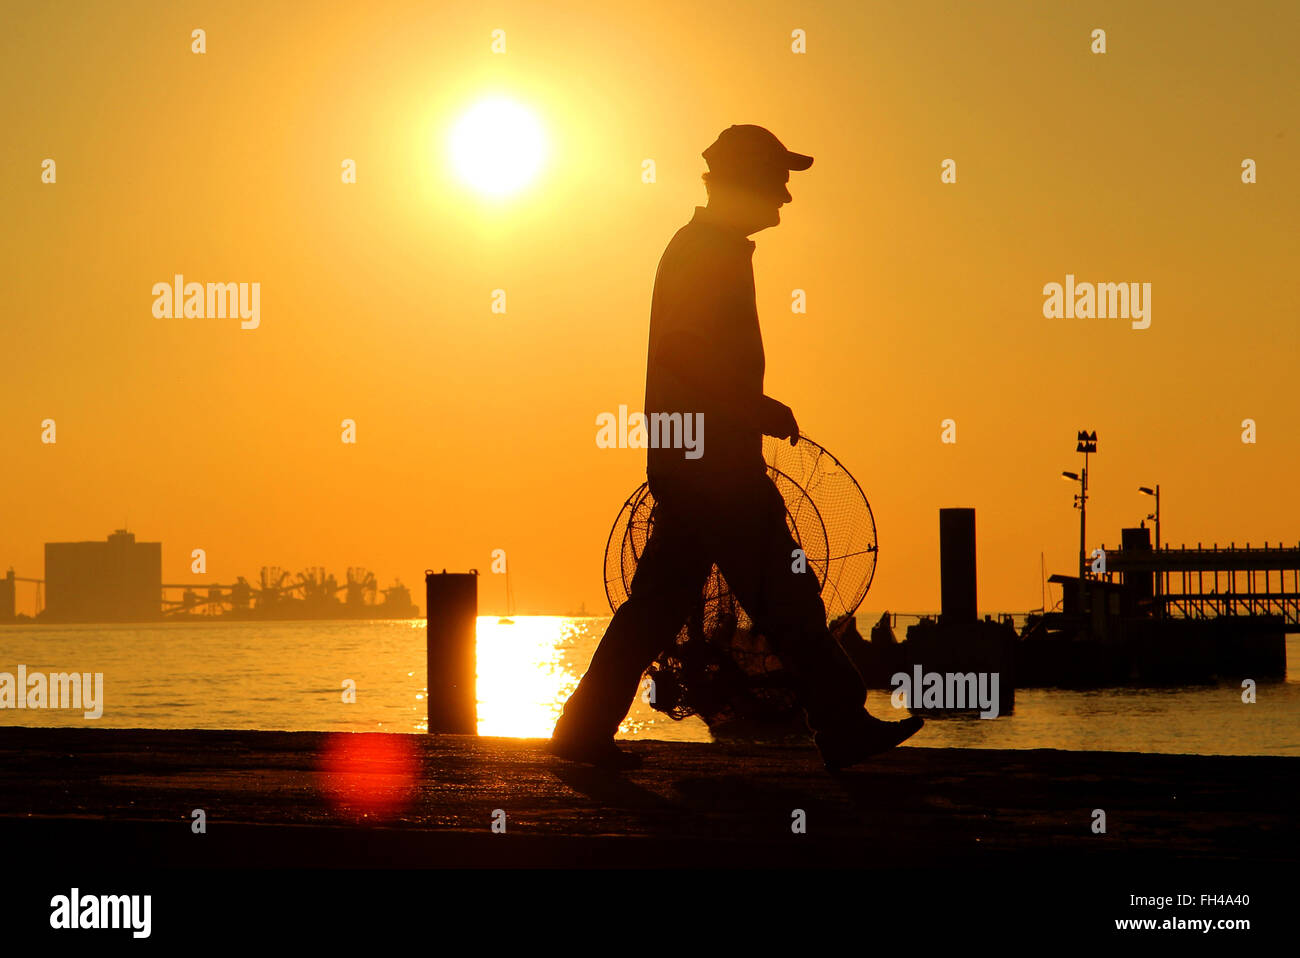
point(452, 610)
point(957, 566)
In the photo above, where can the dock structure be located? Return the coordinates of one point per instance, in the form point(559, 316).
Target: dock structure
point(1204, 583)
point(309, 799)
point(1167, 615)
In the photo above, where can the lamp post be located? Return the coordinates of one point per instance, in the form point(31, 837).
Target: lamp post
point(1156, 516)
point(1087, 443)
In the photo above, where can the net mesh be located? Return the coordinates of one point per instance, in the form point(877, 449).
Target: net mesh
point(719, 666)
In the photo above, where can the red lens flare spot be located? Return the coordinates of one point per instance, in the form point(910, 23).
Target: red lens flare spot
point(369, 775)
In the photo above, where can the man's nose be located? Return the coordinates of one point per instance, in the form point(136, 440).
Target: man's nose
point(786, 197)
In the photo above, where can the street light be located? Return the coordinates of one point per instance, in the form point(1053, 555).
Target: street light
point(1145, 490)
point(1087, 443)
point(1155, 515)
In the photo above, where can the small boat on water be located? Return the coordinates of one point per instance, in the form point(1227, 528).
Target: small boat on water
point(510, 603)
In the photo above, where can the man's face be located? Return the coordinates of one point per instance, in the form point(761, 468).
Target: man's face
point(762, 195)
point(778, 194)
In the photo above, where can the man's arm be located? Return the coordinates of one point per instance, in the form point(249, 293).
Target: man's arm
point(777, 419)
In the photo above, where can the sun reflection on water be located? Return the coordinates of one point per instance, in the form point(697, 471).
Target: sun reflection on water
point(524, 674)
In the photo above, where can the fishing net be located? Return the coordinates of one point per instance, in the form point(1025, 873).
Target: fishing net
point(720, 667)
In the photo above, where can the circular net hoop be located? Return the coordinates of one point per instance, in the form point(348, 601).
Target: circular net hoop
point(719, 666)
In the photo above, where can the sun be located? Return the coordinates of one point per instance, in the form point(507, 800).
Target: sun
point(498, 146)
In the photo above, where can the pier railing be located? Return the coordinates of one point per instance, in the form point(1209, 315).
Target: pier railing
point(1207, 582)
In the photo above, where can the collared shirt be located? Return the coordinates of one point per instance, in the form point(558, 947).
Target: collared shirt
point(706, 354)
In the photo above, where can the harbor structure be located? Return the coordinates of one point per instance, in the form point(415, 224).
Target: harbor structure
point(120, 580)
point(117, 580)
point(8, 605)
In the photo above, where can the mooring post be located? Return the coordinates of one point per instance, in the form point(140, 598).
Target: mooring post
point(452, 613)
point(957, 566)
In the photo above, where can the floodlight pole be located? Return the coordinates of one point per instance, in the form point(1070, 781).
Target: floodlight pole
point(1146, 490)
point(1083, 530)
point(1157, 517)
point(1087, 442)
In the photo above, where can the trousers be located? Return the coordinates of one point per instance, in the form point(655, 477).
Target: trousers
point(742, 529)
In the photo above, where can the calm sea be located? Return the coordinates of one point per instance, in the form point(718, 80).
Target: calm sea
point(291, 675)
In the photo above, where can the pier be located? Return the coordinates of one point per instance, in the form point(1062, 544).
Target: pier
point(1203, 583)
point(287, 799)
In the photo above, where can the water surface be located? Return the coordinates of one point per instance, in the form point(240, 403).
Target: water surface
point(290, 675)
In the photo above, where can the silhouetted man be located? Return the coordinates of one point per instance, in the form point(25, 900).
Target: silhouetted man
point(706, 356)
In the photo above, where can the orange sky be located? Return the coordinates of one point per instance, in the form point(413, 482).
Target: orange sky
point(477, 431)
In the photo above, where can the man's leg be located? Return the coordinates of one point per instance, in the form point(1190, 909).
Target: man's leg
point(756, 555)
point(668, 580)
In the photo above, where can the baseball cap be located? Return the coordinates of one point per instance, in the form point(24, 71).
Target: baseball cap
point(746, 147)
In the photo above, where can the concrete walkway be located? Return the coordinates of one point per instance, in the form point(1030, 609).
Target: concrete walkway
point(311, 799)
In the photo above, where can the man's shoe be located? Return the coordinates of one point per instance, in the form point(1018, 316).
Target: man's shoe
point(603, 754)
point(843, 747)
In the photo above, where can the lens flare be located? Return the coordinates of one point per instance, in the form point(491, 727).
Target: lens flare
point(369, 775)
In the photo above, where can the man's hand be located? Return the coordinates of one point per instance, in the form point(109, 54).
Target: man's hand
point(777, 420)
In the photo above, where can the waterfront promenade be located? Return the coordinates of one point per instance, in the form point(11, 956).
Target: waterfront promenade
point(312, 799)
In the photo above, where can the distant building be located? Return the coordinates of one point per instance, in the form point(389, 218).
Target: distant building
point(119, 580)
point(7, 606)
